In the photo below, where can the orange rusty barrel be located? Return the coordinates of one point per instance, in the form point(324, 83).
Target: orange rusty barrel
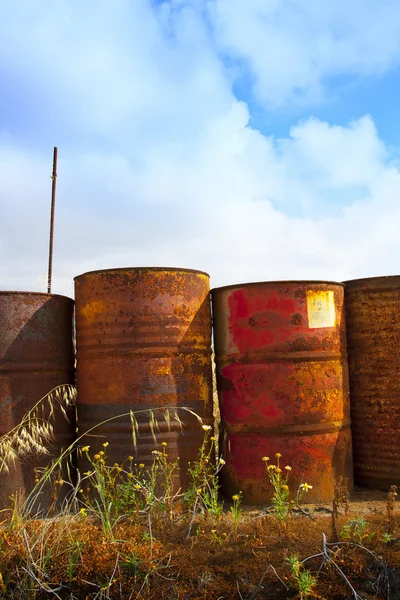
point(283, 385)
point(36, 355)
point(143, 342)
point(373, 338)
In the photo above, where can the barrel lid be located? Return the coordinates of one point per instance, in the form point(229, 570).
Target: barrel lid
point(379, 282)
point(40, 294)
point(284, 282)
point(387, 278)
point(138, 269)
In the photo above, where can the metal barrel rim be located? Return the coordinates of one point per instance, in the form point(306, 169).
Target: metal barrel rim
point(277, 282)
point(386, 281)
point(39, 294)
point(141, 269)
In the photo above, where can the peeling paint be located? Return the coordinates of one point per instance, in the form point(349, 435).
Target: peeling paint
point(36, 355)
point(151, 338)
point(282, 385)
point(373, 335)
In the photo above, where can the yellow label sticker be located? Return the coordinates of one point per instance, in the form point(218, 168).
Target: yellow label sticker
point(321, 309)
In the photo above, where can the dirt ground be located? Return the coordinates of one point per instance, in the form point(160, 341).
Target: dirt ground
point(217, 560)
point(362, 502)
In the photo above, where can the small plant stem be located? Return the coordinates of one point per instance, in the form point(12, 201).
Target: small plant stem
point(42, 585)
point(306, 514)
point(328, 559)
point(150, 532)
point(192, 517)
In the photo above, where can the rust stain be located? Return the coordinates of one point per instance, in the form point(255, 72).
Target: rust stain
point(147, 345)
point(92, 310)
point(36, 355)
point(373, 334)
point(283, 384)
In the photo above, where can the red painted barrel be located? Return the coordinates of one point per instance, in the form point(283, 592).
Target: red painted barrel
point(143, 342)
point(36, 355)
point(283, 385)
point(373, 338)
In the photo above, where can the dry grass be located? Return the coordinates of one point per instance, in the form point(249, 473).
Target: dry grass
point(125, 534)
point(70, 557)
point(31, 435)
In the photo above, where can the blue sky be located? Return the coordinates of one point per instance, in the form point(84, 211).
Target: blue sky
point(255, 140)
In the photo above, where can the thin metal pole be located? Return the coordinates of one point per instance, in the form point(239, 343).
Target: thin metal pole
point(53, 204)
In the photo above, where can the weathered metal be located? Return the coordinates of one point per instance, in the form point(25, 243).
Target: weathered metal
point(52, 211)
point(36, 355)
point(373, 337)
point(283, 385)
point(143, 342)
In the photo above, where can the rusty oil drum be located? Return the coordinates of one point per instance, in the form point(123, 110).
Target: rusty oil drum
point(36, 355)
point(143, 342)
point(283, 385)
point(373, 339)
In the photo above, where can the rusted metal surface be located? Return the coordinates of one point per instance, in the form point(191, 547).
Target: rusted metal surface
point(283, 385)
point(143, 341)
point(373, 337)
point(52, 211)
point(36, 355)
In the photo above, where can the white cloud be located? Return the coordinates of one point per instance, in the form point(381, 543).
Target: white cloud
point(113, 70)
point(291, 48)
point(158, 164)
point(216, 207)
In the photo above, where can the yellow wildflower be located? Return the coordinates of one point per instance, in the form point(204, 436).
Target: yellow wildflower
point(83, 512)
point(164, 444)
point(137, 486)
point(265, 458)
point(278, 455)
point(278, 470)
point(285, 488)
point(271, 467)
point(306, 487)
point(213, 439)
point(105, 444)
point(130, 476)
point(235, 497)
point(288, 468)
point(206, 427)
point(222, 462)
point(85, 448)
point(141, 466)
point(97, 457)
point(130, 458)
point(101, 453)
